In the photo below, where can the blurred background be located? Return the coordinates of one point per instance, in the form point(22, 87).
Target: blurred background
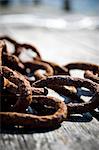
point(66, 10)
point(54, 26)
point(75, 6)
point(61, 14)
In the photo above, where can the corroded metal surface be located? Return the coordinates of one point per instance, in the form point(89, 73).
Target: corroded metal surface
point(79, 132)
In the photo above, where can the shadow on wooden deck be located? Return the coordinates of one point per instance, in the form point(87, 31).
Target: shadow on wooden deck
point(18, 130)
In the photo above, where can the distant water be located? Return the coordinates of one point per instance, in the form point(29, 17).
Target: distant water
point(81, 6)
point(84, 14)
point(85, 6)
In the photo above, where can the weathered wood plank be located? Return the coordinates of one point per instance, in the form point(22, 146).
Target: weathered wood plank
point(71, 135)
point(78, 132)
point(59, 46)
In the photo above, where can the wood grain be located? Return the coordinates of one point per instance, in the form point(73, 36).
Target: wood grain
point(79, 132)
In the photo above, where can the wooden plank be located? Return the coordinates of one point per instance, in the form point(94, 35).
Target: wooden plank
point(59, 46)
point(71, 135)
point(76, 133)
